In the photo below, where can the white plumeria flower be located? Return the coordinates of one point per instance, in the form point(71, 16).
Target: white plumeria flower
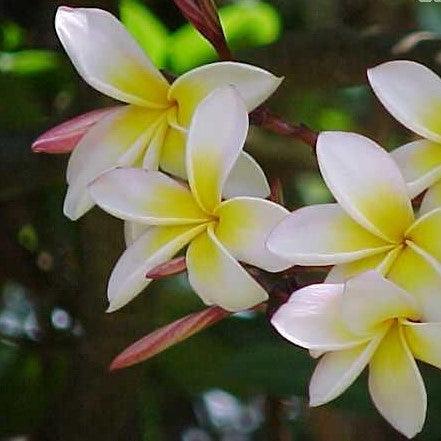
point(367, 321)
point(150, 131)
point(411, 93)
point(218, 233)
point(372, 225)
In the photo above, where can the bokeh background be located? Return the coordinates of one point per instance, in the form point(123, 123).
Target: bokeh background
point(237, 381)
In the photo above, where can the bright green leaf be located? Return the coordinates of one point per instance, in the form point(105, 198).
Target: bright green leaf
point(28, 62)
point(147, 29)
point(247, 23)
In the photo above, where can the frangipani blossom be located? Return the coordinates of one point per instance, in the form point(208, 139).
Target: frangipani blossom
point(372, 225)
point(150, 130)
point(218, 233)
point(411, 93)
point(369, 321)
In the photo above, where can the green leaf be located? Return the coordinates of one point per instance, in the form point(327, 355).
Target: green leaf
point(246, 24)
point(11, 36)
point(147, 29)
point(28, 62)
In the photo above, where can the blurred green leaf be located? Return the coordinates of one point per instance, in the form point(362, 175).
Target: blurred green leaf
point(11, 36)
point(247, 23)
point(429, 16)
point(147, 29)
point(28, 62)
point(28, 237)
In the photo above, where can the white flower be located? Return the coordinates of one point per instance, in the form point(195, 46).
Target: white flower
point(367, 321)
point(150, 131)
point(218, 233)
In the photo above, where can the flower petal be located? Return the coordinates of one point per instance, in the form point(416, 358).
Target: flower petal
point(244, 225)
point(336, 371)
point(366, 182)
point(420, 164)
point(424, 341)
point(155, 246)
point(370, 300)
point(431, 200)
point(215, 140)
point(173, 153)
point(254, 84)
point(133, 231)
point(396, 386)
point(119, 138)
point(380, 262)
point(323, 235)
point(311, 319)
point(419, 275)
point(426, 233)
point(65, 137)
point(108, 58)
point(218, 278)
point(411, 93)
point(145, 196)
point(246, 179)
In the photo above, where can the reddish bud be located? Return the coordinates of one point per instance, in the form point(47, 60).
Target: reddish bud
point(173, 266)
point(167, 336)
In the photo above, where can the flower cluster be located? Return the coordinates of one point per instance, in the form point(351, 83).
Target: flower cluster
point(170, 163)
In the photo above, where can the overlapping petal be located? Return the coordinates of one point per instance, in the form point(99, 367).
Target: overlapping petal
point(373, 300)
point(119, 138)
point(396, 386)
point(323, 235)
point(243, 227)
point(411, 93)
point(366, 182)
point(254, 84)
point(108, 58)
point(311, 319)
point(218, 278)
point(172, 159)
point(419, 275)
point(133, 231)
point(215, 141)
point(420, 164)
point(431, 200)
point(155, 246)
point(336, 371)
point(146, 197)
point(425, 233)
point(424, 341)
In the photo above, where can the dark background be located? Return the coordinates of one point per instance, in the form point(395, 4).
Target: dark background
point(237, 381)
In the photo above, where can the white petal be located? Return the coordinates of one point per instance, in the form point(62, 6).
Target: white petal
point(108, 58)
point(396, 386)
point(218, 278)
point(157, 245)
point(370, 300)
point(420, 275)
point(411, 93)
point(311, 319)
point(133, 231)
point(336, 371)
point(420, 164)
point(243, 228)
point(215, 140)
point(431, 200)
point(366, 182)
point(323, 235)
point(118, 139)
point(145, 196)
point(424, 341)
point(254, 84)
point(246, 179)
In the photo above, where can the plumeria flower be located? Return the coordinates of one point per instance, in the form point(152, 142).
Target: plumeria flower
point(372, 225)
point(218, 233)
point(367, 321)
point(150, 130)
point(411, 93)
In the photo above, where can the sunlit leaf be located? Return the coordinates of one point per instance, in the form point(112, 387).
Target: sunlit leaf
point(147, 29)
point(246, 24)
point(28, 238)
point(11, 36)
point(28, 62)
